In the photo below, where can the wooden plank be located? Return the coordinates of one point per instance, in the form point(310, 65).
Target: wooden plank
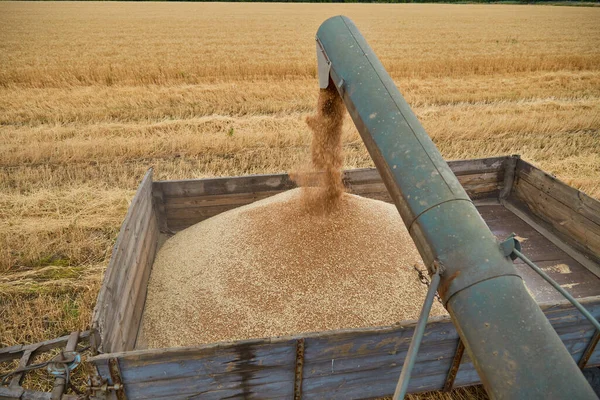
point(125, 257)
point(8, 393)
point(117, 269)
point(274, 182)
point(140, 301)
point(458, 167)
point(365, 361)
point(564, 317)
point(23, 362)
point(27, 394)
point(483, 191)
point(572, 248)
point(580, 282)
point(132, 308)
point(575, 199)
point(234, 200)
point(367, 384)
point(476, 185)
point(510, 172)
point(197, 212)
point(430, 360)
point(192, 207)
point(136, 266)
point(491, 180)
point(127, 262)
point(125, 239)
point(558, 311)
point(114, 272)
point(472, 180)
point(478, 165)
point(392, 341)
point(571, 226)
point(227, 185)
point(266, 359)
point(187, 202)
point(132, 270)
point(223, 352)
point(252, 367)
point(159, 207)
point(264, 383)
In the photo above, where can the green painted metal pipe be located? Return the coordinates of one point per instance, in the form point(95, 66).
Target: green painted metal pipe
point(515, 350)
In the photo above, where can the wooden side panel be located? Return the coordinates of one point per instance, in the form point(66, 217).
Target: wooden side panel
point(357, 363)
point(568, 213)
point(184, 203)
point(120, 303)
point(261, 369)
point(368, 364)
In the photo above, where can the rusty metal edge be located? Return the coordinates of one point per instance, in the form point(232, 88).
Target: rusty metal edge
point(299, 369)
point(458, 355)
point(589, 350)
point(115, 375)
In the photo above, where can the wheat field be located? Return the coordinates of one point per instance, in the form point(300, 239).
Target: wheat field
point(93, 94)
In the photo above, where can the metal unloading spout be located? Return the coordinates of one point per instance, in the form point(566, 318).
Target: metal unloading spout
point(515, 350)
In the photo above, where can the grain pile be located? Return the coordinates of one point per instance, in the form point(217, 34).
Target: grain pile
point(270, 268)
point(310, 259)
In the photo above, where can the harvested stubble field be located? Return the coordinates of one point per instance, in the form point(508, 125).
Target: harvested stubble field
point(92, 94)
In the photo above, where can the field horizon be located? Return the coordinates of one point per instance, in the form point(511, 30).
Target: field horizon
point(92, 94)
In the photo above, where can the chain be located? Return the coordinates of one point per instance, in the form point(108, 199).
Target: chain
point(425, 281)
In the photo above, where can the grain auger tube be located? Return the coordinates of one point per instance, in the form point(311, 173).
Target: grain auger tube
point(515, 350)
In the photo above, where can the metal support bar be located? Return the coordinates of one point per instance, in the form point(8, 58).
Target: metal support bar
point(556, 286)
point(413, 350)
point(589, 350)
point(458, 355)
point(61, 382)
point(23, 362)
point(299, 369)
point(115, 375)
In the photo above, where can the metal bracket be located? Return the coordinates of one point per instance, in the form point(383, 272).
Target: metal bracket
point(323, 66)
point(589, 350)
point(509, 246)
point(299, 369)
point(97, 384)
point(65, 360)
point(458, 355)
point(117, 380)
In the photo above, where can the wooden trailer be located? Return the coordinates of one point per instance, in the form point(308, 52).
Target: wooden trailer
point(560, 227)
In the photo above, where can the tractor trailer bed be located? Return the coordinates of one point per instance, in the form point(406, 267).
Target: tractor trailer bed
point(559, 228)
